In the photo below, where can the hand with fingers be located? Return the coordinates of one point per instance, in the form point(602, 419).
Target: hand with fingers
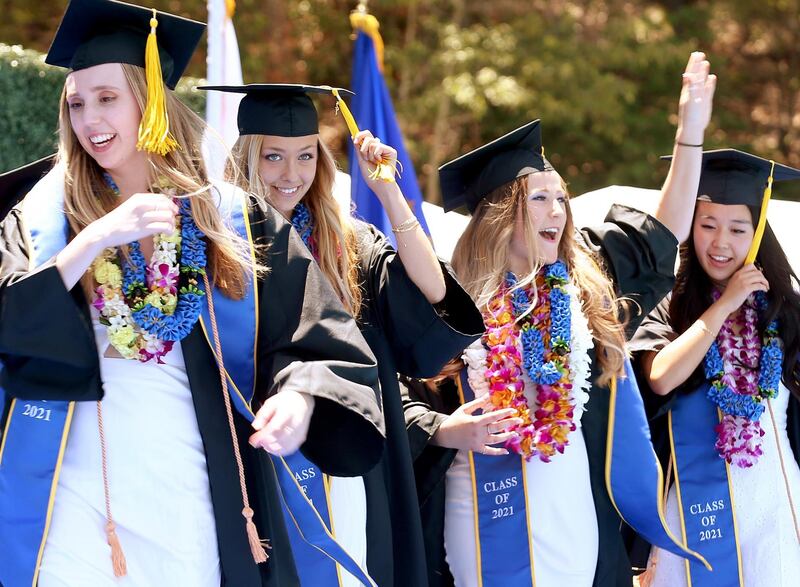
point(745, 281)
point(139, 216)
point(697, 96)
point(372, 154)
point(466, 430)
point(282, 422)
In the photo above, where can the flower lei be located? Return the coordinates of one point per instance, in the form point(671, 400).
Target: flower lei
point(146, 308)
point(730, 366)
point(545, 340)
point(303, 223)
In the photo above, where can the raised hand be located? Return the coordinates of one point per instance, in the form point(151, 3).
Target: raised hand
point(140, 216)
point(745, 281)
point(697, 96)
point(371, 152)
point(282, 422)
point(463, 430)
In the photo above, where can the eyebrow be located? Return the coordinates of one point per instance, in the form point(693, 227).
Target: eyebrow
point(269, 148)
point(95, 89)
point(735, 221)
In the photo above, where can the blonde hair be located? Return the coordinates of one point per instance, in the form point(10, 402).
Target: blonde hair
point(334, 233)
point(87, 197)
point(481, 257)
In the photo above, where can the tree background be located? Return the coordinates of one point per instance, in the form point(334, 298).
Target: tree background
point(603, 76)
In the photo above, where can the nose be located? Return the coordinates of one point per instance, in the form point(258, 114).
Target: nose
point(558, 208)
point(91, 114)
point(289, 171)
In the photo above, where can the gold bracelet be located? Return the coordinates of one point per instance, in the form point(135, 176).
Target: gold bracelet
point(703, 327)
point(406, 226)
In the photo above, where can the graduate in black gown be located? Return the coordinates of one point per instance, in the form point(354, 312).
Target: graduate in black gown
point(120, 452)
point(521, 209)
point(410, 309)
point(716, 308)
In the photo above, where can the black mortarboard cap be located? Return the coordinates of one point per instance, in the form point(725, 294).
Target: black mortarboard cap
point(93, 32)
point(729, 176)
point(471, 177)
point(282, 110)
point(15, 184)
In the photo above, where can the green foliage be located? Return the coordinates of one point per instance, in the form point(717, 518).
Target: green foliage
point(31, 91)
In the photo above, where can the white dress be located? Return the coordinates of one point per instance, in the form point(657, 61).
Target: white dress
point(560, 505)
point(159, 487)
point(349, 518)
point(769, 546)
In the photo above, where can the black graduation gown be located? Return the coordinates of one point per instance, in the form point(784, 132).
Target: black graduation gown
point(410, 336)
point(654, 334)
point(639, 254)
point(305, 337)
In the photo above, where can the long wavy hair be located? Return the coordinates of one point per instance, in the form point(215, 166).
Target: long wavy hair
point(333, 233)
point(481, 260)
point(692, 295)
point(88, 198)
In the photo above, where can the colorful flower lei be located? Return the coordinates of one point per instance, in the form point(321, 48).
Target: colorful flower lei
point(544, 332)
point(146, 308)
point(729, 365)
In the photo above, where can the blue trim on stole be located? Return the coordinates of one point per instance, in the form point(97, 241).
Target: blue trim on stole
point(704, 493)
point(500, 505)
point(634, 478)
point(313, 567)
point(33, 446)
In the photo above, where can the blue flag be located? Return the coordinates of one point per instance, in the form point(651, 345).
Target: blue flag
point(373, 111)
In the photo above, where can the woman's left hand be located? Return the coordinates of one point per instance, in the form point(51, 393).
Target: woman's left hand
point(282, 422)
point(372, 152)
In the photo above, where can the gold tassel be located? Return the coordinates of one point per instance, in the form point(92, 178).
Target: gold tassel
point(117, 556)
point(383, 172)
point(256, 544)
point(762, 220)
point(154, 134)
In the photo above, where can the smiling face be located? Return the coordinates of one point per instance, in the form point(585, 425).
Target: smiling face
point(105, 115)
point(288, 166)
point(546, 203)
point(721, 235)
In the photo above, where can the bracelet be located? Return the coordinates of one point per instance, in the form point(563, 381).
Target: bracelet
point(406, 226)
point(703, 328)
point(688, 144)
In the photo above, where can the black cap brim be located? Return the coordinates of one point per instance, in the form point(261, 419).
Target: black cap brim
point(94, 32)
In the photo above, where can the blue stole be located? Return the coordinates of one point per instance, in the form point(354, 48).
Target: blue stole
point(36, 432)
point(313, 567)
point(500, 511)
point(634, 481)
point(705, 498)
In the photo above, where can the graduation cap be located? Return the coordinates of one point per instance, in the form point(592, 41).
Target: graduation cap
point(730, 177)
point(471, 177)
point(282, 110)
point(15, 184)
point(94, 32)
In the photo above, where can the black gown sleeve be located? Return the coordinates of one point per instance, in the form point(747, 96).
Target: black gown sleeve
point(47, 343)
point(308, 342)
point(639, 253)
point(653, 335)
point(423, 336)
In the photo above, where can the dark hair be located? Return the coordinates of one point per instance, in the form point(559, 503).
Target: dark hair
point(691, 296)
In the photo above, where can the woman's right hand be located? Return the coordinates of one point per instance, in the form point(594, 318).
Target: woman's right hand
point(463, 430)
point(140, 216)
point(745, 281)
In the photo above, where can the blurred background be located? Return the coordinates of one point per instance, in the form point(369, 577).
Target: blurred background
point(604, 76)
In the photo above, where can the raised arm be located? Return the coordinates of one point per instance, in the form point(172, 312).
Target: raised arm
point(678, 194)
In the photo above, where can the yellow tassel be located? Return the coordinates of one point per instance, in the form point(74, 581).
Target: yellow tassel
point(762, 220)
point(117, 556)
point(384, 171)
point(154, 134)
point(257, 546)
